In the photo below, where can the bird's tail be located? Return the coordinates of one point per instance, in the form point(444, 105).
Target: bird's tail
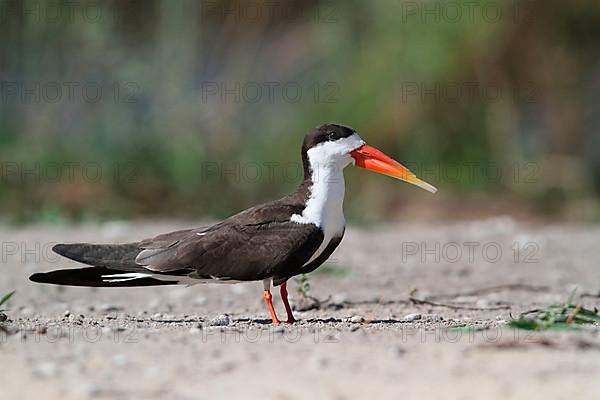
point(102, 277)
point(113, 266)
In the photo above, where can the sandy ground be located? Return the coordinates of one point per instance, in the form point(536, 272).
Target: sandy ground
point(366, 338)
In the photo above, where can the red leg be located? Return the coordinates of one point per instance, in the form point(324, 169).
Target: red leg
point(269, 302)
point(288, 309)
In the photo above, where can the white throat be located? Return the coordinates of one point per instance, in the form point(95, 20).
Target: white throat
point(325, 205)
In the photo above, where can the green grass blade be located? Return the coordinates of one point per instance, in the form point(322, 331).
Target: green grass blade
point(525, 324)
point(6, 297)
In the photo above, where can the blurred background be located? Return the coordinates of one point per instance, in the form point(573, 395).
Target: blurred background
point(139, 109)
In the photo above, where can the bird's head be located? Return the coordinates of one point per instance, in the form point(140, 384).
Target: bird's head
point(339, 145)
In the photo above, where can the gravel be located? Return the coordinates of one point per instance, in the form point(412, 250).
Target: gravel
point(362, 338)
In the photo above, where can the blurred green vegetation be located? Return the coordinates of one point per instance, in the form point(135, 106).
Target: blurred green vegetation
point(392, 70)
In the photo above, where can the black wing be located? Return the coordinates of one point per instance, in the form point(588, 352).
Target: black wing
point(253, 245)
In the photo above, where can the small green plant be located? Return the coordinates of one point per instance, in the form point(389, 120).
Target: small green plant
point(333, 270)
point(568, 316)
point(303, 286)
point(5, 299)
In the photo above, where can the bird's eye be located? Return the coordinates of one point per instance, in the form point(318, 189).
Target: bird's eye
point(331, 135)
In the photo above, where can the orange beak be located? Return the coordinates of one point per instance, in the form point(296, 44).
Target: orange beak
point(370, 158)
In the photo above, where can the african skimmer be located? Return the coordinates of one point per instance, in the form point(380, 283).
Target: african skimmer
point(271, 242)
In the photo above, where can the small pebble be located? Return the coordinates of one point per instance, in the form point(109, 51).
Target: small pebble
point(221, 320)
point(412, 317)
point(356, 319)
point(67, 314)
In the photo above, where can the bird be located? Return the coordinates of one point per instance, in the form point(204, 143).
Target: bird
point(271, 242)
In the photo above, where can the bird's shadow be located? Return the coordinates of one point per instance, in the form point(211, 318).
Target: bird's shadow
point(330, 320)
point(260, 321)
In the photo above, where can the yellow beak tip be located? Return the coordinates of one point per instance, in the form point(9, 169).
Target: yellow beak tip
point(425, 185)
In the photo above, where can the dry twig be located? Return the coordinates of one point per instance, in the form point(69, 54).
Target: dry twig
point(456, 306)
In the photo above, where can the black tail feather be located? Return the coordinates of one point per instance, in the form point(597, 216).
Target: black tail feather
point(96, 277)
